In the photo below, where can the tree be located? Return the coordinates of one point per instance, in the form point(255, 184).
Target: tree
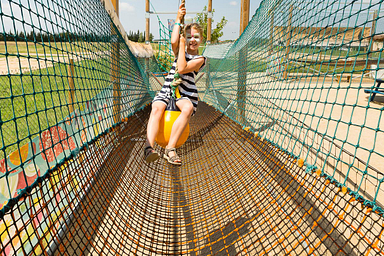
point(202, 20)
point(139, 36)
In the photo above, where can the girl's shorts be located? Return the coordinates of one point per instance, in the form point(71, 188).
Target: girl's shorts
point(165, 98)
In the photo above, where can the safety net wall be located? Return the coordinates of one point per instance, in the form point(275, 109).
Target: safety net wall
point(283, 157)
point(67, 77)
point(304, 76)
point(164, 54)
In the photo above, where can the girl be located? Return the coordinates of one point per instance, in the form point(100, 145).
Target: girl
point(189, 63)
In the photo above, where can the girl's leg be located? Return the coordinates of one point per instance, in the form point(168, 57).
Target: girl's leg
point(181, 122)
point(153, 122)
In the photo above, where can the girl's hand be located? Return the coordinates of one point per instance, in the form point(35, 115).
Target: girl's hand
point(181, 13)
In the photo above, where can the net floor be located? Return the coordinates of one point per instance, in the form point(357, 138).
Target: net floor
point(234, 194)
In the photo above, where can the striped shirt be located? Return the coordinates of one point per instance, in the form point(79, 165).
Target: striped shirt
point(187, 87)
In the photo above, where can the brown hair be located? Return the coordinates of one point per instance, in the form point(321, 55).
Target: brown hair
point(195, 26)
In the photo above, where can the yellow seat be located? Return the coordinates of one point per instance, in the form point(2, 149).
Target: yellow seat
point(170, 115)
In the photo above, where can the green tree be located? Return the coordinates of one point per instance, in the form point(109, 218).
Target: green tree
point(141, 37)
point(216, 33)
point(150, 37)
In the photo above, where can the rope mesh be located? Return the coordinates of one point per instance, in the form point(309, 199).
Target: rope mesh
point(283, 158)
point(302, 76)
point(164, 54)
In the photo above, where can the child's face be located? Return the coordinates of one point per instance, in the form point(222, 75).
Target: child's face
point(193, 39)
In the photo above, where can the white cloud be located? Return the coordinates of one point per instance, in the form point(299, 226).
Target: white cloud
point(126, 7)
point(234, 3)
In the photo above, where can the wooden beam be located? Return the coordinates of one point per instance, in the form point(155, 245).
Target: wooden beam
point(244, 15)
point(373, 28)
point(209, 24)
point(147, 21)
point(243, 63)
point(378, 38)
point(338, 62)
point(115, 69)
point(115, 4)
point(209, 39)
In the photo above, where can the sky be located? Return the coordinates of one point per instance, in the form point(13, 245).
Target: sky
point(132, 14)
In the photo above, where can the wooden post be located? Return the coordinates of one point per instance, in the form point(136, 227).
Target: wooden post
point(209, 24)
point(147, 32)
point(209, 39)
point(371, 42)
point(115, 4)
point(71, 93)
point(242, 75)
point(207, 74)
point(115, 69)
point(147, 25)
point(287, 46)
point(244, 15)
point(373, 28)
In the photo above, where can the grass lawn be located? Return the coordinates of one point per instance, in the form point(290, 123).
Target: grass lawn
point(35, 101)
point(13, 48)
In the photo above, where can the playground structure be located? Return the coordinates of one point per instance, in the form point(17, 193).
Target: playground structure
point(284, 156)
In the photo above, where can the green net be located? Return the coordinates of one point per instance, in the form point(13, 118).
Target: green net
point(284, 155)
point(303, 76)
point(66, 78)
point(164, 54)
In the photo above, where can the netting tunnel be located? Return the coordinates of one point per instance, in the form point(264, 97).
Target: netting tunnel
point(285, 153)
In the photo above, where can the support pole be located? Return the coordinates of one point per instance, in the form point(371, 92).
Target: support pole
point(242, 75)
point(244, 15)
point(115, 68)
point(71, 93)
point(147, 15)
point(209, 39)
point(207, 74)
point(209, 24)
point(373, 28)
point(287, 46)
point(147, 33)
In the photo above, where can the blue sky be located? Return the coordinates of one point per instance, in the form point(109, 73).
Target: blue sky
point(132, 14)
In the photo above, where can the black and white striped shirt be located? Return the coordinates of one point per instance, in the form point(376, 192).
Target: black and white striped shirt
point(187, 87)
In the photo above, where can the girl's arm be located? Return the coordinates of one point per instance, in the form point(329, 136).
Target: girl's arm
point(176, 29)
